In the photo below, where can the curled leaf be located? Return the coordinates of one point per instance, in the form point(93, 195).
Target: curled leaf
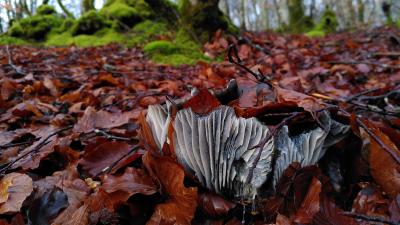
point(181, 203)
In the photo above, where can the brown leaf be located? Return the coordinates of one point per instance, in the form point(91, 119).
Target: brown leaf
point(93, 119)
point(282, 220)
point(331, 214)
point(370, 201)
point(214, 205)
point(310, 205)
point(14, 189)
point(131, 182)
point(394, 209)
point(202, 103)
point(101, 154)
point(307, 102)
point(384, 168)
point(182, 201)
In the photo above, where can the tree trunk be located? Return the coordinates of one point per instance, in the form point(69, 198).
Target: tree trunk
point(64, 9)
point(360, 9)
point(203, 18)
point(243, 15)
point(87, 5)
point(278, 13)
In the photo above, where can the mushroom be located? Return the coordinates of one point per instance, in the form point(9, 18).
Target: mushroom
point(218, 148)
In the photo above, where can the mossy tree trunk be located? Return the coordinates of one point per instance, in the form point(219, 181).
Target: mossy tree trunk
point(87, 5)
point(296, 15)
point(64, 9)
point(203, 17)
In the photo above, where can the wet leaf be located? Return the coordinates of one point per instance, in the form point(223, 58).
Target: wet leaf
point(214, 205)
point(181, 204)
point(47, 207)
point(14, 189)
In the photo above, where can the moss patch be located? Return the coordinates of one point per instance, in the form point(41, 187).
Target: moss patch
point(6, 40)
point(327, 24)
point(90, 23)
point(35, 27)
point(182, 50)
point(102, 37)
point(147, 31)
point(45, 10)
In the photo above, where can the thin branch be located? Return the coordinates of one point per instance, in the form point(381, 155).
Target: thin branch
point(110, 136)
point(237, 61)
point(35, 149)
point(10, 145)
point(17, 69)
point(379, 141)
point(368, 218)
point(354, 62)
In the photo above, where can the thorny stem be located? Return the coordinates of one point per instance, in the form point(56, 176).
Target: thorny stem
point(37, 148)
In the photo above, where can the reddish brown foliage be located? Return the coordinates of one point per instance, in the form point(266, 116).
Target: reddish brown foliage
point(70, 121)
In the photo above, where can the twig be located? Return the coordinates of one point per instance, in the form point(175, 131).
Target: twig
point(35, 149)
point(353, 62)
point(389, 54)
point(349, 99)
point(10, 145)
point(369, 218)
point(109, 168)
point(379, 141)
point(259, 76)
point(17, 69)
point(110, 136)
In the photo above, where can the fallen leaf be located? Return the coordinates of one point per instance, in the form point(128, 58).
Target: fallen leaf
point(132, 181)
point(181, 204)
point(102, 154)
point(47, 207)
point(310, 205)
point(202, 103)
point(214, 205)
point(14, 189)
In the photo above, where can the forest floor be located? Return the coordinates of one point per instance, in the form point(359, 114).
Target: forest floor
point(75, 149)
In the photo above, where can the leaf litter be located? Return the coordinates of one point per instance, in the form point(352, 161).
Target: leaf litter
point(76, 147)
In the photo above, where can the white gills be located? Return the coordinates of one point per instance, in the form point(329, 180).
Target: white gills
point(219, 148)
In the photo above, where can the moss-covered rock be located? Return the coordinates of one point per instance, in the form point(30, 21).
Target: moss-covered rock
point(182, 50)
point(45, 10)
point(7, 40)
point(35, 27)
point(327, 24)
point(160, 47)
point(125, 15)
point(90, 23)
point(147, 31)
point(101, 37)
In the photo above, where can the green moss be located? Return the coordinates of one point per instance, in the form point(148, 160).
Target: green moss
point(45, 10)
point(327, 24)
point(125, 15)
point(101, 37)
point(315, 33)
point(160, 47)
point(182, 50)
point(35, 27)
point(6, 40)
point(147, 31)
point(90, 23)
